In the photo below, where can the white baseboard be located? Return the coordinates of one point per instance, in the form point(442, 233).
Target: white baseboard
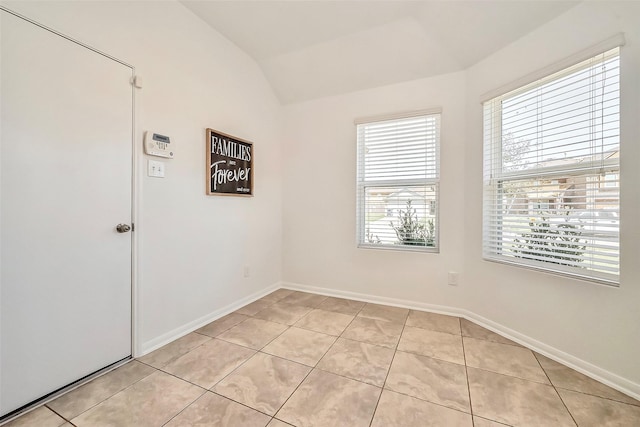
point(189, 327)
point(614, 381)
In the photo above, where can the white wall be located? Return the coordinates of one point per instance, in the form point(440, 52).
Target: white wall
point(193, 78)
point(593, 327)
point(597, 324)
point(320, 189)
point(192, 247)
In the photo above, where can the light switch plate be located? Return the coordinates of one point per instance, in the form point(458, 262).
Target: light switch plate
point(155, 169)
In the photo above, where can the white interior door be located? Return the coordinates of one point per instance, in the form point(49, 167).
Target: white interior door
point(65, 183)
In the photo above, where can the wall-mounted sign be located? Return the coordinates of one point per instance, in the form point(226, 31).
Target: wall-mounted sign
point(229, 165)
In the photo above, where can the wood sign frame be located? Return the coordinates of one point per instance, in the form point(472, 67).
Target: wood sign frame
point(229, 165)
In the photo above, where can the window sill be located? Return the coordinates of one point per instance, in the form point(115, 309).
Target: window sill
point(610, 283)
point(401, 248)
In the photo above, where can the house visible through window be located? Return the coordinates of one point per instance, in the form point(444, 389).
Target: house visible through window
point(552, 172)
point(398, 177)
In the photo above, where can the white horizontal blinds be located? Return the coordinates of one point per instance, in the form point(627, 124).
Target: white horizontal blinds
point(398, 182)
point(551, 171)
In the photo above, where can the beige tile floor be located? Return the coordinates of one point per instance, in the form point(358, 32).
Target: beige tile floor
point(294, 358)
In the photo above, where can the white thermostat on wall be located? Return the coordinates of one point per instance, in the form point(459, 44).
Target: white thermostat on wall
point(158, 145)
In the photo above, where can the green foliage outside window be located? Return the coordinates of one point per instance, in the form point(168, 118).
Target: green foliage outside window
point(558, 244)
point(411, 231)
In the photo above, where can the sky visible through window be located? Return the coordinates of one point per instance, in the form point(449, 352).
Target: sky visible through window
point(571, 120)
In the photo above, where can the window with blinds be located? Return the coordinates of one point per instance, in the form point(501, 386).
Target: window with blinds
point(397, 182)
point(552, 172)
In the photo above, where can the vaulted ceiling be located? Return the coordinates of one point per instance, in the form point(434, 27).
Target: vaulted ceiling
point(311, 49)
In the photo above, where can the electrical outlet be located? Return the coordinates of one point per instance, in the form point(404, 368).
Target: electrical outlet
point(453, 278)
point(247, 271)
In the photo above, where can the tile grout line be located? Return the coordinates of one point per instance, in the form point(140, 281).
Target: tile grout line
point(173, 359)
point(285, 359)
point(185, 408)
point(422, 399)
point(582, 392)
point(610, 399)
point(240, 403)
point(182, 379)
point(274, 321)
point(221, 332)
point(104, 400)
point(347, 378)
point(271, 304)
point(508, 375)
point(259, 349)
point(502, 373)
point(241, 345)
point(205, 391)
point(237, 367)
point(209, 390)
point(365, 342)
point(421, 355)
point(381, 387)
point(132, 384)
point(395, 351)
point(46, 405)
point(466, 371)
point(261, 352)
point(554, 388)
point(314, 367)
point(217, 320)
point(415, 353)
point(247, 406)
point(306, 328)
point(348, 339)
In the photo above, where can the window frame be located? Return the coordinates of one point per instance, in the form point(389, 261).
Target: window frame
point(362, 185)
point(494, 177)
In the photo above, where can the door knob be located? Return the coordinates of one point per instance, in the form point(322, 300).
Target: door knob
point(123, 228)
